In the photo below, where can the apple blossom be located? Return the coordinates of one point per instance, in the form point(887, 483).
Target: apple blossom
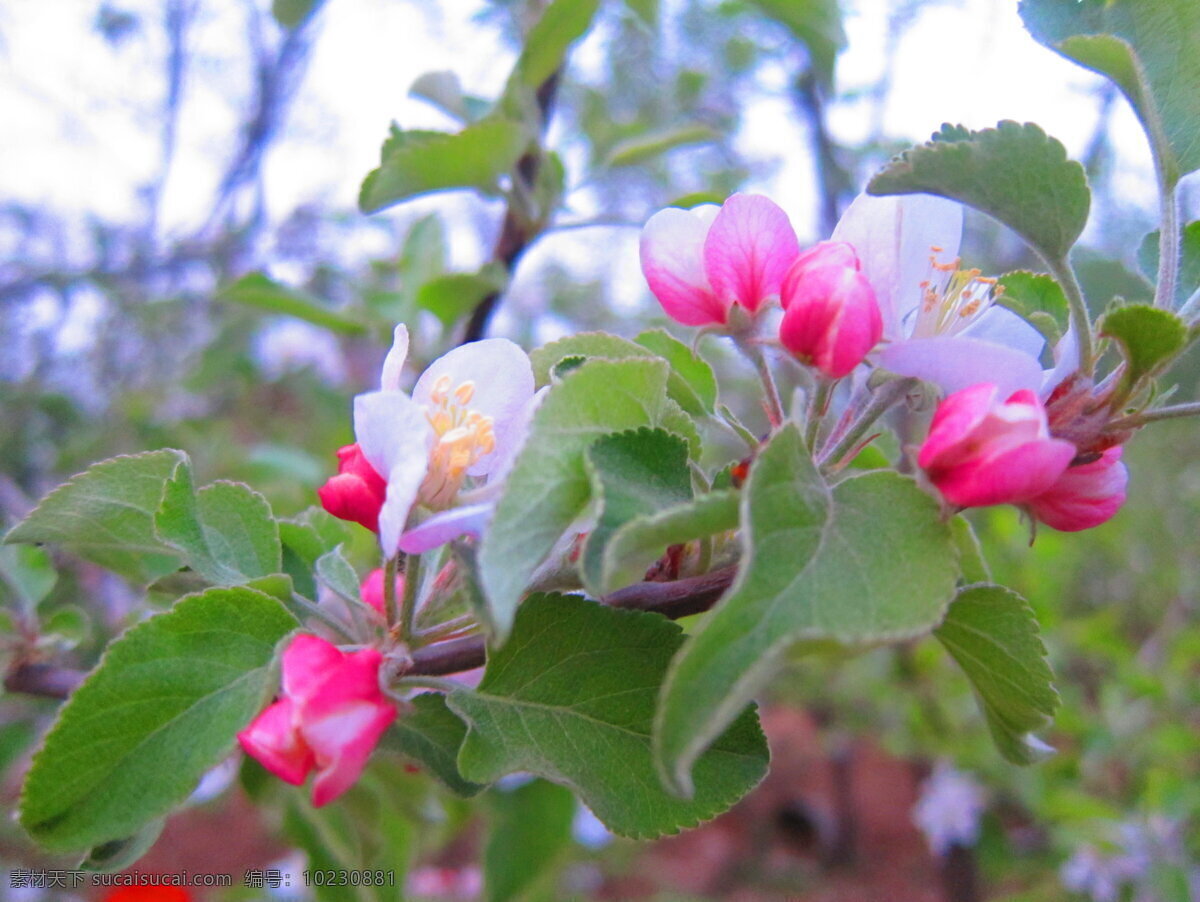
point(1085, 495)
point(446, 448)
point(981, 450)
point(704, 262)
point(940, 322)
point(357, 492)
point(830, 319)
point(371, 589)
point(329, 719)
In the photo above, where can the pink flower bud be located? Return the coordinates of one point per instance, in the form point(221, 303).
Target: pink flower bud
point(331, 715)
point(699, 263)
point(831, 319)
point(1085, 495)
point(357, 492)
point(372, 589)
point(982, 450)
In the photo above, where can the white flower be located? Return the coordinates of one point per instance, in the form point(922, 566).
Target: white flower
point(940, 321)
point(949, 809)
point(446, 447)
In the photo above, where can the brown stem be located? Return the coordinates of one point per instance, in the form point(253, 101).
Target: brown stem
point(676, 599)
point(516, 232)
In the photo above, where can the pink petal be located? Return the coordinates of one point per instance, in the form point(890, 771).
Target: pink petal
point(955, 362)
point(342, 743)
point(1084, 496)
point(307, 663)
point(1015, 475)
point(672, 247)
point(272, 740)
point(749, 250)
point(954, 421)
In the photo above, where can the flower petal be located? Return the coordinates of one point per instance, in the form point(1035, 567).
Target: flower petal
point(672, 254)
point(503, 380)
point(395, 437)
point(1066, 362)
point(307, 662)
point(893, 237)
point(1013, 476)
point(1084, 496)
point(749, 250)
point(272, 740)
point(393, 363)
point(1001, 326)
point(957, 362)
point(471, 519)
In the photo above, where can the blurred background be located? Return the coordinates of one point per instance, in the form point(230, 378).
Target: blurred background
point(183, 264)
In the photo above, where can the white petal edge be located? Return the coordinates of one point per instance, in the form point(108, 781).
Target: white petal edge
point(446, 526)
point(395, 438)
point(393, 363)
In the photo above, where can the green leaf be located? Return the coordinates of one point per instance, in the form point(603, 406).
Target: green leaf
point(106, 515)
point(119, 854)
point(293, 13)
point(817, 24)
point(992, 634)
point(549, 488)
point(432, 734)
point(688, 385)
point(971, 561)
point(1189, 263)
point(1150, 49)
point(416, 163)
point(335, 572)
point(225, 531)
point(870, 561)
point(648, 145)
point(635, 474)
point(571, 698)
point(561, 25)
point(529, 835)
point(29, 572)
point(444, 91)
point(452, 296)
point(1038, 298)
point(161, 708)
point(642, 541)
point(692, 384)
point(1149, 337)
point(305, 539)
point(261, 292)
point(1016, 173)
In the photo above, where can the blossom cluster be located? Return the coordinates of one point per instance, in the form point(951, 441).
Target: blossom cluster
point(888, 291)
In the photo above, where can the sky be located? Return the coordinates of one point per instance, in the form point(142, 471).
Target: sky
point(81, 130)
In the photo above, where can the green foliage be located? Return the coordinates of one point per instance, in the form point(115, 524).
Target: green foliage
point(1150, 49)
point(545, 47)
point(1038, 298)
point(1189, 262)
point(106, 515)
point(635, 475)
point(1149, 337)
point(993, 635)
point(638, 149)
point(415, 163)
point(1016, 173)
point(259, 291)
point(432, 734)
point(28, 572)
point(549, 487)
point(161, 708)
point(817, 24)
point(452, 296)
point(225, 531)
point(868, 561)
point(294, 13)
point(119, 854)
point(571, 698)
point(690, 384)
point(529, 834)
point(642, 540)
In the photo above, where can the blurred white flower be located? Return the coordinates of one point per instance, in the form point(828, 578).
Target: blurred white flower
point(949, 809)
point(288, 345)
